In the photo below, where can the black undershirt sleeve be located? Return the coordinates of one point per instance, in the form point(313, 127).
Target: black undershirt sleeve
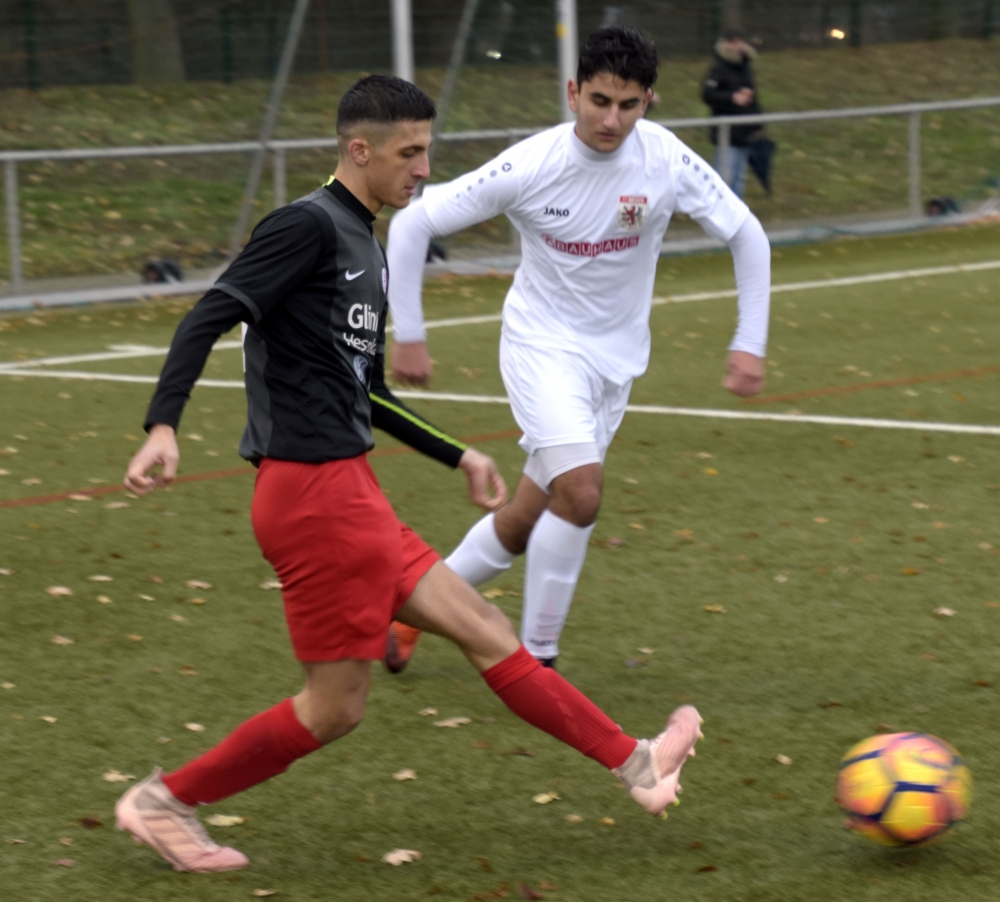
point(214, 315)
point(391, 415)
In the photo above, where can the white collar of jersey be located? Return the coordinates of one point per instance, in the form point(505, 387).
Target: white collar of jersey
point(597, 156)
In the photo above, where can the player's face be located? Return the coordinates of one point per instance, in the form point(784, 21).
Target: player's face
point(399, 162)
point(607, 110)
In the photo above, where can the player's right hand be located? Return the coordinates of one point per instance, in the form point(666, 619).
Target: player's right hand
point(411, 364)
point(160, 450)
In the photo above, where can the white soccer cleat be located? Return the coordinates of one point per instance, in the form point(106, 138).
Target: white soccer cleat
point(153, 815)
point(652, 772)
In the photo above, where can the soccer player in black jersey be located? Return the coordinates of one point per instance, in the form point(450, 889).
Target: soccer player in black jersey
point(312, 284)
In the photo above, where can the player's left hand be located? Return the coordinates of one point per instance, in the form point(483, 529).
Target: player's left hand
point(744, 374)
point(483, 476)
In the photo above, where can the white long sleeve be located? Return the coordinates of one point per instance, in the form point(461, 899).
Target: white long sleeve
point(410, 233)
point(752, 261)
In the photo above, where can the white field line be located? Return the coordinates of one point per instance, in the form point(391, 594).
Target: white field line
point(126, 352)
point(862, 422)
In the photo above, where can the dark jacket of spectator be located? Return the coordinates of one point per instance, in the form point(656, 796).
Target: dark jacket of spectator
point(731, 72)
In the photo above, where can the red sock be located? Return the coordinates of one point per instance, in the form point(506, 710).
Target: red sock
point(544, 699)
point(255, 751)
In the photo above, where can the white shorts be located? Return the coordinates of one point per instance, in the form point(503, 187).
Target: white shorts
point(569, 412)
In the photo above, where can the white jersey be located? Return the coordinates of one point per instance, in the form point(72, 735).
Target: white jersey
point(591, 225)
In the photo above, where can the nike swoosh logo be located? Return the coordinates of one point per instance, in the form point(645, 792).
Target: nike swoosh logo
point(351, 276)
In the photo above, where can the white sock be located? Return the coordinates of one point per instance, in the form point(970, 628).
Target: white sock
point(556, 551)
point(480, 556)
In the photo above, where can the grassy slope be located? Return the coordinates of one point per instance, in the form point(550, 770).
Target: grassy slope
point(93, 216)
point(847, 626)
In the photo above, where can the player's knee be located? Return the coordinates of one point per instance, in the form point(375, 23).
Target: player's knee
point(338, 722)
point(578, 503)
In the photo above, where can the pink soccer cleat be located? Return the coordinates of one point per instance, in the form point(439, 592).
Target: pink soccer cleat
point(153, 815)
point(652, 772)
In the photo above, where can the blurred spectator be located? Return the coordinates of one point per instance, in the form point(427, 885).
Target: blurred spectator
point(730, 91)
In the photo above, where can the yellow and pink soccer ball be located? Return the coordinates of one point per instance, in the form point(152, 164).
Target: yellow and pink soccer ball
point(903, 789)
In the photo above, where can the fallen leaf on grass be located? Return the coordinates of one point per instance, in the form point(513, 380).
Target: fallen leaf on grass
point(135, 637)
point(820, 520)
point(611, 542)
point(6, 572)
point(831, 705)
point(197, 584)
point(116, 776)
point(548, 886)
point(78, 497)
point(262, 893)
point(225, 820)
point(48, 718)
point(955, 459)
point(164, 740)
point(919, 505)
point(271, 584)
point(65, 841)
point(194, 727)
point(983, 683)
point(400, 856)
point(56, 591)
point(196, 601)
point(714, 609)
point(644, 651)
point(606, 821)
point(103, 599)
point(574, 818)
point(64, 863)
point(91, 823)
point(155, 579)
point(710, 471)
point(910, 571)
point(405, 774)
point(63, 640)
point(6, 685)
point(501, 892)
point(783, 759)
point(428, 712)
point(17, 842)
point(178, 618)
point(100, 578)
point(781, 578)
point(524, 753)
point(481, 745)
point(147, 598)
point(944, 612)
point(116, 505)
point(939, 524)
point(636, 526)
point(453, 722)
point(187, 670)
point(526, 892)
point(543, 798)
point(484, 865)
point(706, 869)
point(31, 480)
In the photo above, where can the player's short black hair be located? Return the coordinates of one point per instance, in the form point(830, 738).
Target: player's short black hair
point(384, 99)
point(623, 52)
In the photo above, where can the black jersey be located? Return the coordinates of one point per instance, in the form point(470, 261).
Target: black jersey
point(311, 284)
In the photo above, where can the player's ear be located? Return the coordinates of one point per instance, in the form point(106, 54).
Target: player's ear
point(360, 151)
point(573, 93)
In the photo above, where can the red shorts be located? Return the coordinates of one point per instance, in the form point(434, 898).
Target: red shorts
point(346, 563)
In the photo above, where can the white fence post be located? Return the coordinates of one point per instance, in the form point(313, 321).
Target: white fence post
point(568, 51)
point(402, 39)
point(13, 225)
point(725, 156)
point(916, 206)
point(280, 177)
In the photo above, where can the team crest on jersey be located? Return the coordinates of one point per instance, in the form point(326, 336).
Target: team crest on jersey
point(385, 280)
point(632, 211)
point(360, 368)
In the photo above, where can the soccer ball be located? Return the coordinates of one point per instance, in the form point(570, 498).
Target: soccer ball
point(903, 789)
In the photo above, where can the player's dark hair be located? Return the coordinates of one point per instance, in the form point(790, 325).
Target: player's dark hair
point(385, 99)
point(620, 51)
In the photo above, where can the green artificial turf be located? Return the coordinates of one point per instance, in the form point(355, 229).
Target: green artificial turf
point(829, 548)
point(94, 216)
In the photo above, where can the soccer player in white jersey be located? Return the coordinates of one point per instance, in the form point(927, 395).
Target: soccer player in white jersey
point(591, 200)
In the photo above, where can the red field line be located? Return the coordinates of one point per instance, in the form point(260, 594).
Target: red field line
point(864, 386)
point(225, 474)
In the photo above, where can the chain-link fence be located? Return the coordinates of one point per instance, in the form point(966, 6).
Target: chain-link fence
point(59, 42)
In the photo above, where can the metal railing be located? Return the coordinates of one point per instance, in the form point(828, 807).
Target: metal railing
point(279, 150)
